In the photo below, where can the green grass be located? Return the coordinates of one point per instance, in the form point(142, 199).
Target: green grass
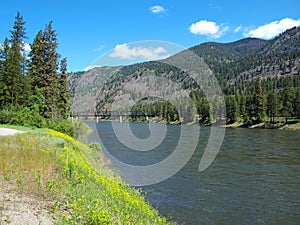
point(74, 177)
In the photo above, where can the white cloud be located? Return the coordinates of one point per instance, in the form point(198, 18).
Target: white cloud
point(100, 48)
point(27, 47)
point(272, 29)
point(90, 67)
point(236, 30)
point(208, 28)
point(156, 9)
point(124, 51)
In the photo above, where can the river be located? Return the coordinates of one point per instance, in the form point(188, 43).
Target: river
point(255, 178)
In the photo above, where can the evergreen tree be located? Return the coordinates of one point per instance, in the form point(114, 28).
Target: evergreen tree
point(250, 107)
point(36, 68)
point(4, 94)
point(51, 77)
point(43, 69)
point(297, 104)
point(241, 100)
point(232, 109)
point(15, 61)
point(287, 103)
point(272, 106)
point(64, 96)
point(259, 102)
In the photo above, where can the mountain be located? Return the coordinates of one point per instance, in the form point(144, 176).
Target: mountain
point(236, 66)
point(85, 87)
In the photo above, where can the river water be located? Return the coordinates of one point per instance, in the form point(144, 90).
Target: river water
point(255, 178)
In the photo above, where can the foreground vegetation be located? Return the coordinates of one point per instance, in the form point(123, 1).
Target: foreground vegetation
point(33, 84)
point(75, 177)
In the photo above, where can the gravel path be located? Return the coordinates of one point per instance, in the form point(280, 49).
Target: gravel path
point(8, 131)
point(18, 209)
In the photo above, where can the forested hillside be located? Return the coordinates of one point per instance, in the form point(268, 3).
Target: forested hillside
point(260, 80)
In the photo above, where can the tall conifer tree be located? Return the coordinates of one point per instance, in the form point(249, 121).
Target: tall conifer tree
point(15, 60)
point(4, 94)
point(64, 96)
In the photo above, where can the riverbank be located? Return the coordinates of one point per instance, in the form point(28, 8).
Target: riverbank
point(47, 174)
point(294, 125)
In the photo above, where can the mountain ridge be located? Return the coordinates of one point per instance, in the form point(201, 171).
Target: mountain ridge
point(236, 65)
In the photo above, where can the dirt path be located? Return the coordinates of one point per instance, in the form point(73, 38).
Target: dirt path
point(18, 209)
point(8, 131)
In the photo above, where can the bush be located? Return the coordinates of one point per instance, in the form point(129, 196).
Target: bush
point(73, 128)
point(95, 146)
point(22, 116)
point(5, 116)
point(62, 125)
point(81, 130)
point(31, 117)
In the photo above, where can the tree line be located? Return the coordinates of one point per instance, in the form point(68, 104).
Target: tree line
point(33, 85)
point(270, 100)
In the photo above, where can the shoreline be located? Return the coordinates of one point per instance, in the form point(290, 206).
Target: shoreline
point(266, 125)
point(294, 125)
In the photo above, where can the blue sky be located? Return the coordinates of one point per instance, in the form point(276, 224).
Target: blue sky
point(89, 29)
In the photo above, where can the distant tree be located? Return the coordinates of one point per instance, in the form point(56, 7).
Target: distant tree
point(204, 111)
point(241, 101)
point(250, 107)
point(287, 103)
point(259, 102)
point(272, 106)
point(297, 104)
point(232, 109)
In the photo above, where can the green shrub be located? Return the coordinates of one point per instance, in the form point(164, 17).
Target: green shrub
point(5, 116)
point(73, 128)
point(81, 130)
point(95, 146)
point(27, 117)
point(62, 125)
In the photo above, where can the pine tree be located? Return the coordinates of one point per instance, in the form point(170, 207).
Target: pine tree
point(15, 61)
point(64, 95)
point(43, 69)
point(231, 109)
point(287, 102)
point(51, 77)
point(36, 65)
point(272, 106)
point(4, 94)
point(259, 102)
point(297, 104)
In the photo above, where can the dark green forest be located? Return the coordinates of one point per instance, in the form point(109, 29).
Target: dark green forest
point(33, 85)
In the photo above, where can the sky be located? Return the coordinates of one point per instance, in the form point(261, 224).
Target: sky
point(124, 30)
